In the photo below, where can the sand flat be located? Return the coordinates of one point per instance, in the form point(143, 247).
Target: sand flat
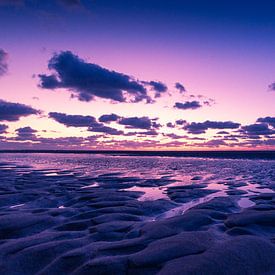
point(136, 215)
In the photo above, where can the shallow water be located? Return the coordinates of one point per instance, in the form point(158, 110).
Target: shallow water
point(152, 176)
point(65, 213)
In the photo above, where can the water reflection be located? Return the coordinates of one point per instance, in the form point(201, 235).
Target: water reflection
point(153, 176)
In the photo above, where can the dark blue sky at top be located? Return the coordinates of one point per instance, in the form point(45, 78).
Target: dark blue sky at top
point(155, 17)
point(231, 25)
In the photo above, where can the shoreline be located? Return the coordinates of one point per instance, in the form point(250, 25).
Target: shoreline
point(254, 154)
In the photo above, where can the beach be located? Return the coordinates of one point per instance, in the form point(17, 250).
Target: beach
point(123, 214)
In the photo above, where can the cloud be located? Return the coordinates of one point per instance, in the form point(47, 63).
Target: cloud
point(269, 120)
point(139, 122)
point(257, 129)
point(188, 105)
point(151, 132)
point(212, 143)
point(40, 143)
point(221, 124)
point(157, 86)
point(176, 124)
point(180, 122)
point(25, 133)
point(170, 125)
point(3, 128)
point(84, 121)
point(180, 87)
point(271, 87)
point(101, 128)
point(13, 111)
point(87, 80)
point(49, 82)
point(26, 130)
point(174, 136)
point(73, 120)
point(108, 118)
point(3, 62)
point(94, 126)
point(201, 127)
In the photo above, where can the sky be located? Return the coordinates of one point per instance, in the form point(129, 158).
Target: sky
point(137, 75)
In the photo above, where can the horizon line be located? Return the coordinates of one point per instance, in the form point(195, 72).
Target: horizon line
point(229, 154)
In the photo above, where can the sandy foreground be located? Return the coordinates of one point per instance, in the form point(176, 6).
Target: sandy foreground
point(140, 216)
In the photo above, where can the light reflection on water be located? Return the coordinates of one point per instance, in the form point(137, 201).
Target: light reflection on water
point(154, 175)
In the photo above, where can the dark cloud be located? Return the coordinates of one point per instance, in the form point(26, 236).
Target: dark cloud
point(257, 129)
point(177, 123)
point(49, 81)
point(252, 143)
point(101, 128)
point(87, 81)
point(170, 125)
point(157, 86)
point(108, 118)
point(139, 122)
point(180, 122)
point(83, 121)
point(213, 143)
point(221, 124)
point(13, 111)
point(272, 86)
point(25, 130)
point(174, 136)
point(201, 127)
point(95, 126)
point(73, 120)
point(269, 120)
point(188, 105)
point(152, 132)
point(230, 138)
point(26, 133)
point(196, 138)
point(180, 87)
point(3, 128)
point(195, 128)
point(3, 62)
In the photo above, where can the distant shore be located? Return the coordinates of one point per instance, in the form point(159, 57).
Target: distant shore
point(199, 154)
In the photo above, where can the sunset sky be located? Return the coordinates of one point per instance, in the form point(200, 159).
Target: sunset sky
point(151, 75)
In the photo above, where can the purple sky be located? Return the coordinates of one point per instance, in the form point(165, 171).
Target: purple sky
point(137, 74)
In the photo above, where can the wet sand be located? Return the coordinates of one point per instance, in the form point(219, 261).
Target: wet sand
point(136, 215)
